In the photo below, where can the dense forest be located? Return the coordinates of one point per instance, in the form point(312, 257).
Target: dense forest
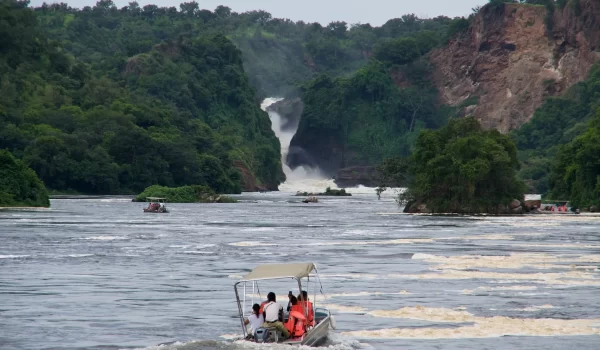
point(112, 100)
point(87, 119)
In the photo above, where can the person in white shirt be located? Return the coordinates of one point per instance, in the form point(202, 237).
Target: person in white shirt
point(255, 320)
point(273, 314)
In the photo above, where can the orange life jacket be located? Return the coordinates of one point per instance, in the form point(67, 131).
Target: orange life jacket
point(311, 312)
point(262, 307)
point(296, 323)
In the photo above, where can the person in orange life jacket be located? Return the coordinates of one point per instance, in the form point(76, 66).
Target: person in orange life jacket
point(255, 320)
point(262, 306)
point(296, 324)
point(290, 296)
point(305, 303)
point(273, 314)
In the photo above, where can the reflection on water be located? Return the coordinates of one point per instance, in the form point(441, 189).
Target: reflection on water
point(99, 273)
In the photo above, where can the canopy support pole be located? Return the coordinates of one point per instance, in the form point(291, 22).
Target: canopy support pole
point(237, 297)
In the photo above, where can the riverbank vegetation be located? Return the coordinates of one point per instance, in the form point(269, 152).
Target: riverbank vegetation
point(462, 168)
point(575, 173)
point(184, 194)
point(555, 124)
point(19, 185)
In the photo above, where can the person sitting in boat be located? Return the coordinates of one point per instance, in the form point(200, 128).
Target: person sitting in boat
point(296, 323)
point(262, 306)
point(305, 303)
point(290, 297)
point(273, 314)
point(255, 320)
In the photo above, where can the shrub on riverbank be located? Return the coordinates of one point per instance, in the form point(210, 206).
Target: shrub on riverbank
point(19, 185)
point(184, 194)
point(328, 192)
point(462, 168)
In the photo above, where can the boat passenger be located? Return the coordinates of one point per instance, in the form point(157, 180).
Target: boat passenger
point(273, 314)
point(262, 306)
point(296, 323)
point(305, 303)
point(255, 320)
point(290, 296)
point(296, 305)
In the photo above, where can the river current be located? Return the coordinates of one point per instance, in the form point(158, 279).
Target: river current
point(98, 273)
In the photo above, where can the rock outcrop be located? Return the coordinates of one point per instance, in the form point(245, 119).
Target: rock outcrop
point(510, 59)
point(249, 180)
point(357, 175)
point(290, 111)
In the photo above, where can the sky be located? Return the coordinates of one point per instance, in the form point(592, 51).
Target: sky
point(375, 12)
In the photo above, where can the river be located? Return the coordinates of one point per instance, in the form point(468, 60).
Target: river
point(98, 273)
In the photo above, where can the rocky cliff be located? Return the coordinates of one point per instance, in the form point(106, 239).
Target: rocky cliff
point(513, 56)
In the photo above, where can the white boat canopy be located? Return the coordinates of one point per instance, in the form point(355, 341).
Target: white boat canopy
point(273, 271)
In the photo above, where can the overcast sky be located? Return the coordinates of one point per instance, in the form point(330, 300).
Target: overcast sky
point(375, 12)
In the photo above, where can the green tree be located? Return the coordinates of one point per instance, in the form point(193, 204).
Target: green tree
point(397, 51)
point(576, 170)
point(461, 168)
point(19, 186)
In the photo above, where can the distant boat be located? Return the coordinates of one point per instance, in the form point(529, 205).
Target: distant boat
point(156, 205)
point(557, 208)
point(311, 199)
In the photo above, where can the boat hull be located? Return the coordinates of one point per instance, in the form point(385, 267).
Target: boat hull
point(314, 337)
point(155, 211)
point(318, 335)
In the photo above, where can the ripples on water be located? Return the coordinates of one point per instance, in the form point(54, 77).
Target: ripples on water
point(99, 273)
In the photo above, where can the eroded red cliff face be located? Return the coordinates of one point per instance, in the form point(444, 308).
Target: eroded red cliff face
point(508, 61)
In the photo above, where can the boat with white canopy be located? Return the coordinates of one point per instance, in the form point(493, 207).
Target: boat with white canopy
point(311, 321)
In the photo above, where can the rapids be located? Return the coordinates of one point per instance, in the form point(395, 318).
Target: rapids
point(98, 273)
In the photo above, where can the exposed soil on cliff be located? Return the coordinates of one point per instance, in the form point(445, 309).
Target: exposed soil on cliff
point(510, 60)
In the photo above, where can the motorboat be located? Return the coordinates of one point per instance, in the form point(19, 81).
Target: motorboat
point(557, 208)
point(315, 331)
point(156, 205)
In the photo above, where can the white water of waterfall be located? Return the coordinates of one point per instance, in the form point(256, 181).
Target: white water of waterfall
point(303, 178)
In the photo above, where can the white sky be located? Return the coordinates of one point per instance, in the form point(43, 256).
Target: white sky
point(375, 12)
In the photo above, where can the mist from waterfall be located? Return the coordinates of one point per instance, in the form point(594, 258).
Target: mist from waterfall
point(302, 178)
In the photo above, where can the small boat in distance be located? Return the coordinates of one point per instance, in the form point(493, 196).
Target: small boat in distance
point(156, 205)
point(313, 328)
point(557, 208)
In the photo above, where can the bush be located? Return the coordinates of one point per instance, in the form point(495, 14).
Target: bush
point(19, 185)
point(184, 194)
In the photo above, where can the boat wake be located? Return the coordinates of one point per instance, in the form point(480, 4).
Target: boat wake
point(334, 342)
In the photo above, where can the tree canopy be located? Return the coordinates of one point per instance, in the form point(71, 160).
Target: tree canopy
point(557, 122)
point(461, 168)
point(19, 185)
point(88, 117)
point(575, 173)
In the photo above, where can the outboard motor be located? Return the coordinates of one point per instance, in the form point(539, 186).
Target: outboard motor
point(267, 335)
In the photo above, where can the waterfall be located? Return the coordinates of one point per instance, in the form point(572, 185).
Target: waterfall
point(303, 178)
